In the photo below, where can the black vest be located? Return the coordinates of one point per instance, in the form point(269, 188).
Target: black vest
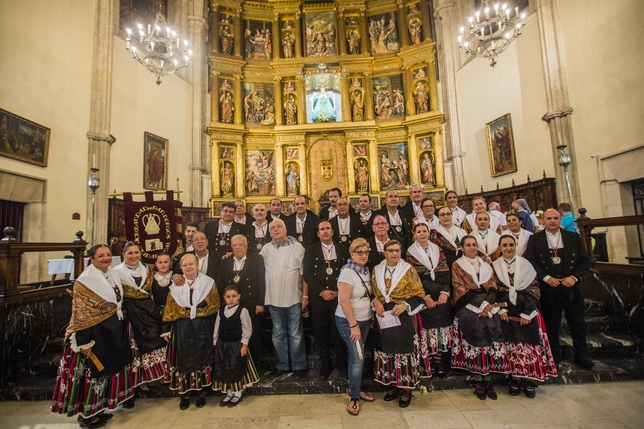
point(230, 328)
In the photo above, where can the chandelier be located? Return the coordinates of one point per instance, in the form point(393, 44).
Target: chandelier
point(491, 31)
point(158, 49)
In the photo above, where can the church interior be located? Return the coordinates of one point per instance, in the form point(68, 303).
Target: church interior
point(280, 98)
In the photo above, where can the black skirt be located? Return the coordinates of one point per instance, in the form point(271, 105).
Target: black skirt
point(145, 316)
point(479, 331)
point(398, 339)
point(439, 316)
point(193, 339)
point(229, 365)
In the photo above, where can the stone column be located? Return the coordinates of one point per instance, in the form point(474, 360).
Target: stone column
point(304, 170)
point(301, 105)
point(215, 190)
point(239, 100)
point(277, 38)
point(280, 188)
point(374, 170)
point(298, 35)
point(414, 179)
point(346, 99)
point(214, 96)
point(100, 116)
point(368, 97)
point(239, 38)
point(197, 27)
point(403, 31)
point(279, 102)
point(364, 40)
point(214, 29)
point(408, 81)
point(444, 12)
point(240, 167)
point(559, 110)
point(341, 36)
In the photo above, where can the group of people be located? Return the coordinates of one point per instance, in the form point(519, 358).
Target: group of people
point(475, 292)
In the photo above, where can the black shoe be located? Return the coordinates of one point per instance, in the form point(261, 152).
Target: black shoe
point(324, 374)
point(479, 391)
point(405, 399)
point(201, 401)
point(184, 404)
point(224, 402)
point(129, 404)
point(515, 387)
point(276, 373)
point(298, 374)
point(529, 389)
point(585, 363)
point(489, 390)
point(391, 395)
point(440, 372)
point(92, 422)
point(104, 416)
point(234, 401)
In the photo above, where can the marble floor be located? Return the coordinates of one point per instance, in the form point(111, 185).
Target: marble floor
point(603, 405)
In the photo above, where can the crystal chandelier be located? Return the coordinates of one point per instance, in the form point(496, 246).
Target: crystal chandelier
point(158, 49)
point(491, 31)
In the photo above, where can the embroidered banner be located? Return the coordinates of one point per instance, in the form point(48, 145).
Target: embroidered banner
point(152, 223)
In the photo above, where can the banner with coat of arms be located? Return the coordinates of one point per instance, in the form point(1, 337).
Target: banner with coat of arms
point(153, 224)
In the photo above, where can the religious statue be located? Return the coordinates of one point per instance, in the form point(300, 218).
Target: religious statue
point(420, 98)
point(403, 171)
point(292, 179)
point(268, 44)
point(357, 106)
point(269, 114)
point(287, 45)
point(290, 111)
point(419, 74)
point(399, 104)
point(415, 26)
point(386, 181)
point(227, 179)
point(323, 107)
point(226, 40)
point(361, 175)
point(382, 103)
point(248, 44)
point(353, 40)
point(226, 107)
point(427, 169)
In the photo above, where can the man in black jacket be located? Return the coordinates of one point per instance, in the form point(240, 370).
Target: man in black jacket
point(346, 227)
point(208, 261)
point(561, 261)
point(303, 225)
point(321, 267)
point(399, 221)
point(222, 230)
point(246, 270)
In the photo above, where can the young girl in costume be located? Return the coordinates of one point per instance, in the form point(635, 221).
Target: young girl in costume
point(233, 366)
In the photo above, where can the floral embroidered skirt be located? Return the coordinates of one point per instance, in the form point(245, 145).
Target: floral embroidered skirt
point(77, 392)
point(533, 361)
point(433, 343)
point(146, 367)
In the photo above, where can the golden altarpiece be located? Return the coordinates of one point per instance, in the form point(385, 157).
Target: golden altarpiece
point(307, 97)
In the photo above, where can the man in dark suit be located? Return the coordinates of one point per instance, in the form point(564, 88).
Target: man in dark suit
point(221, 231)
point(321, 267)
point(366, 215)
point(378, 240)
point(276, 211)
point(346, 227)
point(413, 206)
point(208, 261)
point(240, 214)
point(399, 221)
point(246, 270)
point(304, 224)
point(329, 211)
point(561, 261)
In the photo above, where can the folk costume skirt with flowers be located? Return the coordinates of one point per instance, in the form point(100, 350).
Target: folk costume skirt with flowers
point(435, 328)
point(478, 343)
point(397, 352)
point(246, 378)
point(189, 357)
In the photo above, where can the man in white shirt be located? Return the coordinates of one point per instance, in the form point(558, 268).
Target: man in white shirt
point(412, 207)
point(495, 210)
point(286, 297)
point(258, 234)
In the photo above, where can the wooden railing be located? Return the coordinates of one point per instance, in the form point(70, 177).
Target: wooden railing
point(11, 251)
point(586, 226)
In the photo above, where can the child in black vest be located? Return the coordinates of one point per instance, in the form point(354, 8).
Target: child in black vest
point(233, 366)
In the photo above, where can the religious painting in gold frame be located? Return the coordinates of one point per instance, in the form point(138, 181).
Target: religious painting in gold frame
point(23, 140)
point(500, 144)
point(155, 162)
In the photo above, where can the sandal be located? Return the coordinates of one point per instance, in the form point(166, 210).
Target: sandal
point(367, 397)
point(354, 406)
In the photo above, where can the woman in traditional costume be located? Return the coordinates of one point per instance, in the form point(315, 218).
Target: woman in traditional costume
point(478, 338)
point(458, 214)
point(162, 280)
point(398, 298)
point(480, 206)
point(526, 343)
point(447, 235)
point(436, 320)
point(521, 236)
point(188, 326)
point(95, 371)
point(487, 240)
point(353, 317)
point(143, 316)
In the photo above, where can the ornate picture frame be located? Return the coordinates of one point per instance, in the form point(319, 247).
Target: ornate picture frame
point(155, 162)
point(23, 140)
point(500, 144)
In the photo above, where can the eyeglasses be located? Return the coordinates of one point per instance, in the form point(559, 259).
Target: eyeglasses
point(199, 240)
point(445, 214)
point(362, 253)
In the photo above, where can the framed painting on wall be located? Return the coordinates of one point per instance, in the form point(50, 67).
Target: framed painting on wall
point(155, 162)
point(500, 144)
point(23, 140)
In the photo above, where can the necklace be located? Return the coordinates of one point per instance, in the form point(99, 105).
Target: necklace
point(555, 249)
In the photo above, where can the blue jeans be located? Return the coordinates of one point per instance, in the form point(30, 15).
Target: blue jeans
point(355, 363)
point(288, 333)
